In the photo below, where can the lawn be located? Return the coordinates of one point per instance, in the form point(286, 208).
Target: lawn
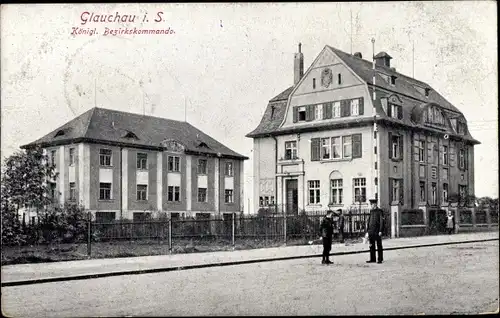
point(68, 252)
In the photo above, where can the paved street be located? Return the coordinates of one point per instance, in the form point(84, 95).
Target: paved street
point(447, 279)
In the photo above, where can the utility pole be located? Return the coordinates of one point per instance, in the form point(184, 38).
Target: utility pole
point(413, 58)
point(95, 92)
point(351, 31)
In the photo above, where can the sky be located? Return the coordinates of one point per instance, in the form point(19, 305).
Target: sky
point(224, 62)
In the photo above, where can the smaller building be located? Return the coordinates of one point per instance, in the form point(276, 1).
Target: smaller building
point(125, 165)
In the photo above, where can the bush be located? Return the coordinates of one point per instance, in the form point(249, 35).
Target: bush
point(63, 224)
point(12, 230)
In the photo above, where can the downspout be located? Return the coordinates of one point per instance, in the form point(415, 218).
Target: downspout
point(276, 174)
point(121, 183)
point(412, 164)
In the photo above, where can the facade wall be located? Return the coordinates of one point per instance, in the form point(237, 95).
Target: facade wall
point(264, 169)
point(87, 173)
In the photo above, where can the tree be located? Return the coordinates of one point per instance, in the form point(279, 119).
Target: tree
point(24, 178)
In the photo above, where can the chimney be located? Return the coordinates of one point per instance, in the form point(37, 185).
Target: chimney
point(383, 59)
point(298, 66)
point(358, 55)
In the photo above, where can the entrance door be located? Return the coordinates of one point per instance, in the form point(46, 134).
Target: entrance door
point(292, 197)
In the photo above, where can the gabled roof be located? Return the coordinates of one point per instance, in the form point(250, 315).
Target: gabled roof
point(405, 85)
point(133, 130)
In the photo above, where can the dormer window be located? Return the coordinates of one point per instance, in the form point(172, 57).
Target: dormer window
point(130, 135)
point(393, 80)
point(461, 128)
point(203, 145)
point(339, 78)
point(427, 91)
point(434, 116)
point(59, 133)
point(395, 111)
point(314, 83)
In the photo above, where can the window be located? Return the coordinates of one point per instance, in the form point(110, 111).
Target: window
point(336, 109)
point(202, 194)
point(445, 192)
point(72, 191)
point(318, 112)
point(422, 191)
point(395, 111)
point(461, 128)
point(433, 172)
point(461, 159)
point(52, 190)
point(173, 163)
point(72, 156)
point(105, 217)
point(427, 91)
point(174, 194)
point(359, 190)
point(462, 191)
point(142, 161)
point(314, 192)
point(445, 155)
point(421, 171)
point(142, 192)
point(314, 83)
point(290, 150)
point(336, 186)
point(104, 191)
point(325, 148)
point(336, 148)
point(266, 201)
point(396, 147)
point(421, 150)
point(302, 113)
point(141, 216)
point(202, 166)
point(354, 107)
point(229, 169)
point(228, 196)
point(395, 190)
point(347, 146)
point(53, 158)
point(261, 201)
point(339, 78)
point(271, 200)
point(434, 116)
point(433, 194)
point(393, 80)
point(105, 157)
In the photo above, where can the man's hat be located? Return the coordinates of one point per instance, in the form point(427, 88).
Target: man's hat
point(373, 200)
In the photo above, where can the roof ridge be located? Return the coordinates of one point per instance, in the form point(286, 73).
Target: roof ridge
point(137, 114)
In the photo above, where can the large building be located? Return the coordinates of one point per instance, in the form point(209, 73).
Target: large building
point(124, 165)
point(350, 129)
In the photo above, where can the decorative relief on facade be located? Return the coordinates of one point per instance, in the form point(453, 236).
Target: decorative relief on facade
point(266, 186)
point(172, 145)
point(326, 77)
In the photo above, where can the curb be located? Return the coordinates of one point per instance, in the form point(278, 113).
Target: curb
point(187, 267)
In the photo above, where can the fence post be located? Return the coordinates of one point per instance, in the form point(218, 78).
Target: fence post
point(233, 222)
point(170, 233)
point(89, 234)
point(284, 225)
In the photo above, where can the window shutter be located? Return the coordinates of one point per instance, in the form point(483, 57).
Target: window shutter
point(401, 192)
point(310, 112)
point(356, 146)
point(390, 145)
point(361, 106)
point(415, 149)
point(315, 149)
point(452, 155)
point(384, 105)
point(391, 190)
point(327, 110)
point(389, 109)
point(430, 158)
point(295, 114)
point(400, 112)
point(465, 158)
point(345, 108)
point(401, 147)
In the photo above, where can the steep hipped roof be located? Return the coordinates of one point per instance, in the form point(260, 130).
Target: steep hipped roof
point(412, 92)
point(133, 130)
point(273, 115)
point(404, 85)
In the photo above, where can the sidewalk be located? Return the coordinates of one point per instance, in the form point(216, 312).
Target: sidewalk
point(26, 272)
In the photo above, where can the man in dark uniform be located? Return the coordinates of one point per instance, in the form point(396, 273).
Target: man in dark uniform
point(341, 225)
point(326, 235)
point(375, 226)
